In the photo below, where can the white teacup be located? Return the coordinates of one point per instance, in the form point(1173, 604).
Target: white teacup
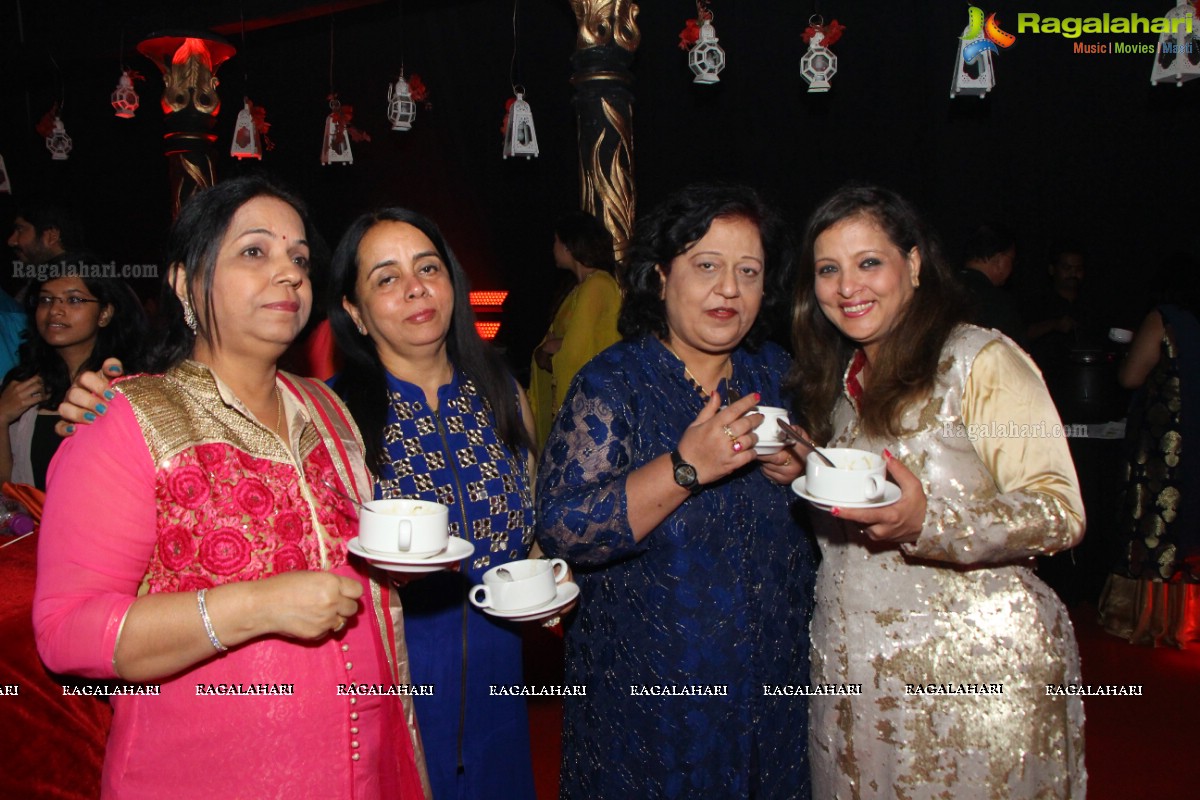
point(416, 528)
point(519, 585)
point(859, 476)
point(770, 435)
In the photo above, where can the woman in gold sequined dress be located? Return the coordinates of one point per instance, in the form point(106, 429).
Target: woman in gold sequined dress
point(930, 604)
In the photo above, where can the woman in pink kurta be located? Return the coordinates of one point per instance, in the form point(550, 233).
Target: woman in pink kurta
point(196, 539)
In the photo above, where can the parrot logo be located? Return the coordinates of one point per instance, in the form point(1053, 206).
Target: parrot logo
point(993, 38)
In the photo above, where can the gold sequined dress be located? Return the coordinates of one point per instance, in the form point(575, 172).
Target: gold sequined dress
point(952, 638)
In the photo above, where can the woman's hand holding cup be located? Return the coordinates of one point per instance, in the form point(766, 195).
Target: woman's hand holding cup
point(721, 440)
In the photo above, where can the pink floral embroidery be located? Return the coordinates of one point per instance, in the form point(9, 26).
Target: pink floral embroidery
point(288, 559)
point(254, 498)
point(289, 526)
point(251, 463)
point(224, 551)
point(189, 486)
point(194, 583)
point(214, 458)
point(176, 547)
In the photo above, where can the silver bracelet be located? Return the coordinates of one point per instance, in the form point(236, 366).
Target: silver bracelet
point(208, 628)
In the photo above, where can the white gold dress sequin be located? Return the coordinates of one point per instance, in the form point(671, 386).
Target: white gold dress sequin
point(953, 639)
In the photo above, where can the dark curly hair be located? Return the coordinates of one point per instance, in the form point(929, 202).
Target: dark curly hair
point(678, 223)
point(907, 364)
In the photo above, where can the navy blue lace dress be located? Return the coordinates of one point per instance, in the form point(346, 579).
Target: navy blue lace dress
point(716, 599)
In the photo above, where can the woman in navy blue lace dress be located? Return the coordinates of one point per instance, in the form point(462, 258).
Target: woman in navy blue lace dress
point(697, 580)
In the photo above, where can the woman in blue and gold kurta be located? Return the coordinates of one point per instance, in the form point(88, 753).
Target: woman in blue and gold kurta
point(691, 636)
point(443, 421)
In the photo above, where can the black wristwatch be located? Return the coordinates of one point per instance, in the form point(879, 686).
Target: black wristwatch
point(685, 474)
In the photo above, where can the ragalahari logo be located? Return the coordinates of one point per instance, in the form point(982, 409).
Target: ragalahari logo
point(992, 37)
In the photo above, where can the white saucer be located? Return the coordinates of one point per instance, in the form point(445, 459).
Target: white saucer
point(456, 550)
point(567, 592)
point(891, 493)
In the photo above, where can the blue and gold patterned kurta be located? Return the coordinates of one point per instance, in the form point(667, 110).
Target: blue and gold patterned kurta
point(717, 597)
point(454, 456)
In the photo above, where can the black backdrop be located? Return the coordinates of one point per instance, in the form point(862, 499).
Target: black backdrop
point(1070, 145)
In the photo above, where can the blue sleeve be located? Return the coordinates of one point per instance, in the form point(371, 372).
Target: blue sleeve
point(582, 506)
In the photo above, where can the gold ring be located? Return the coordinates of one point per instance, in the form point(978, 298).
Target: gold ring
point(341, 624)
point(788, 463)
point(729, 433)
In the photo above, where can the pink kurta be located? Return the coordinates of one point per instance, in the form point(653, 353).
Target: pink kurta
point(178, 489)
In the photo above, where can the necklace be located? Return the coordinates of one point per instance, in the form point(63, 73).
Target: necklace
point(699, 387)
point(278, 411)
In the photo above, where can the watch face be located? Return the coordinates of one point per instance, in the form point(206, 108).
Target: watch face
point(685, 475)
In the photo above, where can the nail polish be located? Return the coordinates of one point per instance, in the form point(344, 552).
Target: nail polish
point(108, 395)
point(70, 429)
point(837, 512)
point(101, 408)
point(114, 369)
point(89, 416)
point(887, 454)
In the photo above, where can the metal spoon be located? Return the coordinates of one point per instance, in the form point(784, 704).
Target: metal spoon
point(342, 494)
point(794, 433)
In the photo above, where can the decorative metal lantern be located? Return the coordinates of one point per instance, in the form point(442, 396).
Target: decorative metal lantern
point(818, 65)
point(973, 65)
point(58, 143)
point(706, 58)
point(124, 98)
point(336, 147)
point(520, 138)
point(1178, 55)
point(5, 186)
point(401, 108)
point(245, 143)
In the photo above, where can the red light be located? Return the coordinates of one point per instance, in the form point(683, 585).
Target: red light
point(487, 330)
point(488, 299)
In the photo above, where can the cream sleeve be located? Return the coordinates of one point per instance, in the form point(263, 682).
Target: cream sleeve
point(1037, 508)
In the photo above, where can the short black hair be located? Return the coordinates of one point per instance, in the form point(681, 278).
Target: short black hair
point(586, 239)
point(46, 215)
point(987, 240)
point(679, 222)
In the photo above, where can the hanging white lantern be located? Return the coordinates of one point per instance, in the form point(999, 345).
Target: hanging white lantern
point(124, 98)
point(973, 65)
point(336, 146)
point(245, 135)
point(706, 58)
point(58, 143)
point(520, 138)
point(5, 186)
point(1178, 55)
point(818, 65)
point(401, 108)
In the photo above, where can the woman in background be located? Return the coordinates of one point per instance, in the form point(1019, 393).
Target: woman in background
point(74, 324)
point(936, 589)
point(586, 320)
point(1153, 595)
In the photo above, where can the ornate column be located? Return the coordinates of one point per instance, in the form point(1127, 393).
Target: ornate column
point(608, 38)
point(188, 61)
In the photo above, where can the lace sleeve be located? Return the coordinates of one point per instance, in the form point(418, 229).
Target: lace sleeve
point(582, 506)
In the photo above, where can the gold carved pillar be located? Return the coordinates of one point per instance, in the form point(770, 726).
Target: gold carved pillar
point(604, 49)
point(188, 62)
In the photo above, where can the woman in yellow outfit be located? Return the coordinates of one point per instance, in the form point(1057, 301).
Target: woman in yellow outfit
point(586, 321)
